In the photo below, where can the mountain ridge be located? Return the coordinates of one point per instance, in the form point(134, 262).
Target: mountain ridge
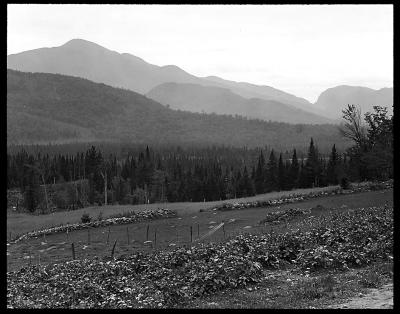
point(198, 98)
point(334, 99)
point(82, 58)
point(53, 107)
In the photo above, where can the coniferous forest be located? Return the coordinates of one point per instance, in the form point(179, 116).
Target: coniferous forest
point(49, 178)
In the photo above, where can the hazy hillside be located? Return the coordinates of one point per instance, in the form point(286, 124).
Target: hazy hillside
point(48, 107)
point(208, 99)
point(248, 90)
point(88, 60)
point(333, 100)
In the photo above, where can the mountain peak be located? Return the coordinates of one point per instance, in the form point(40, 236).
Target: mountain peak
point(81, 43)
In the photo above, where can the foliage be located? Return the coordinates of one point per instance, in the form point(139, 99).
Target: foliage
point(161, 176)
point(171, 278)
point(344, 183)
point(371, 157)
point(284, 216)
point(85, 218)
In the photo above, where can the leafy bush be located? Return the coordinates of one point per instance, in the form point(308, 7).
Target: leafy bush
point(345, 183)
point(85, 218)
point(170, 278)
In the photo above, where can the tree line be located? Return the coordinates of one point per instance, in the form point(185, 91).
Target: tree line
point(147, 177)
point(202, 174)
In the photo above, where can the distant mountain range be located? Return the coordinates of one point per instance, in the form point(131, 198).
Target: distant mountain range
point(44, 107)
point(85, 59)
point(210, 99)
point(167, 85)
point(333, 100)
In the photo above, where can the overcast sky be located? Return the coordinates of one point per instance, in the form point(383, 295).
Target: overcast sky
point(301, 49)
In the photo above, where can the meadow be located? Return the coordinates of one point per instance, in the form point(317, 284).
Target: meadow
point(183, 230)
point(19, 223)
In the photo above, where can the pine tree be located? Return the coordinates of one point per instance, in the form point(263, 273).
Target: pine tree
point(32, 188)
point(294, 171)
point(281, 174)
point(312, 166)
point(271, 173)
point(259, 175)
point(303, 182)
point(331, 172)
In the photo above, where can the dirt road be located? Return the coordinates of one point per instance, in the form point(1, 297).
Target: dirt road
point(381, 298)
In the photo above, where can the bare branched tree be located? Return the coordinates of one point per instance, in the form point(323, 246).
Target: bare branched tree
point(353, 128)
point(103, 173)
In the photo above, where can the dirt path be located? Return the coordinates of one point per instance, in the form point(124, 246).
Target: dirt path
point(381, 298)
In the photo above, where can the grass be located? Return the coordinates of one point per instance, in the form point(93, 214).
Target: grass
point(294, 290)
point(174, 230)
point(21, 222)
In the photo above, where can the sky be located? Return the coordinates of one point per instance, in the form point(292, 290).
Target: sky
point(300, 49)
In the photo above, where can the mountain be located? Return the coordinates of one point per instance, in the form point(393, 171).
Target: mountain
point(91, 61)
point(209, 99)
point(88, 60)
point(248, 90)
point(333, 100)
point(44, 107)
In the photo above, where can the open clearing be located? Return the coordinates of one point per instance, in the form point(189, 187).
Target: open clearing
point(19, 223)
point(174, 231)
point(161, 279)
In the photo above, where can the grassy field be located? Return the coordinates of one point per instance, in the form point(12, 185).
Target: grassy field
point(19, 223)
point(57, 247)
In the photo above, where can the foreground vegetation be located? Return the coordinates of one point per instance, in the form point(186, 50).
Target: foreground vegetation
point(336, 241)
point(174, 232)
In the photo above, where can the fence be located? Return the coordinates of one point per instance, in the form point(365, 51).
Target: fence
point(117, 240)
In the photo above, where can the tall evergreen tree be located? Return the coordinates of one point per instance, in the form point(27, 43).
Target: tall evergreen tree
point(303, 179)
point(294, 171)
point(281, 174)
point(331, 171)
point(312, 166)
point(259, 175)
point(32, 188)
point(271, 173)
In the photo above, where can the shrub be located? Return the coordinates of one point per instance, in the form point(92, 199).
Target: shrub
point(85, 218)
point(344, 183)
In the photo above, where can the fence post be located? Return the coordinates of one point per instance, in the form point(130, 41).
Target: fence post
point(147, 233)
point(88, 236)
point(113, 249)
point(44, 237)
point(198, 230)
point(67, 236)
point(73, 250)
point(39, 259)
point(155, 237)
point(191, 235)
point(108, 235)
point(223, 229)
